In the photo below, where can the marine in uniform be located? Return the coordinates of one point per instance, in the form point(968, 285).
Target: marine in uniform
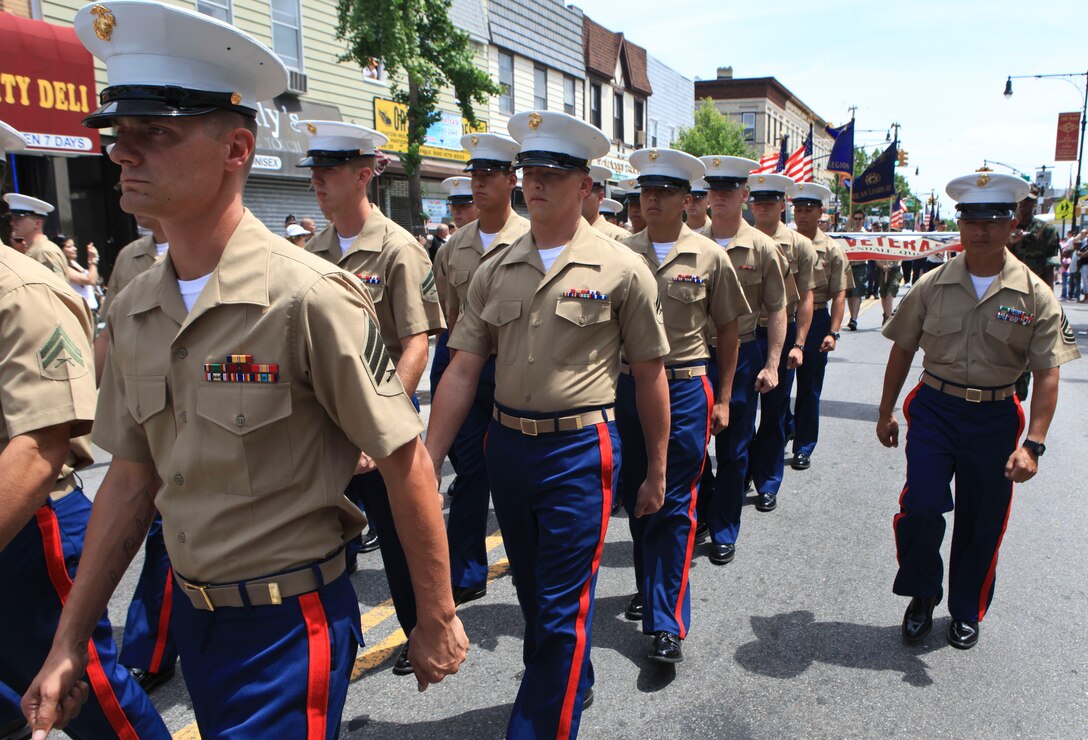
point(858, 273)
point(463, 210)
point(768, 202)
point(610, 210)
point(631, 201)
point(979, 320)
point(699, 293)
point(760, 268)
point(1033, 241)
point(695, 211)
point(831, 277)
point(490, 167)
point(556, 308)
point(27, 218)
point(397, 273)
point(591, 206)
point(248, 374)
point(47, 405)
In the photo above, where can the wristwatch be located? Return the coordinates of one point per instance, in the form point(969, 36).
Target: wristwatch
point(799, 346)
point(834, 334)
point(1035, 448)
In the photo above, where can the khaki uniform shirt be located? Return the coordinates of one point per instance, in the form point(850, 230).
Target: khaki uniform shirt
point(556, 352)
point(47, 372)
point(134, 258)
point(253, 472)
point(980, 343)
point(801, 256)
point(692, 308)
point(760, 269)
point(609, 229)
point(830, 272)
point(49, 254)
point(396, 271)
point(464, 253)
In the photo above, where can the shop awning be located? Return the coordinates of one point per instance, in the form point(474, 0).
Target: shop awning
point(47, 85)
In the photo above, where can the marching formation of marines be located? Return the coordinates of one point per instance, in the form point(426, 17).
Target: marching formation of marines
point(259, 401)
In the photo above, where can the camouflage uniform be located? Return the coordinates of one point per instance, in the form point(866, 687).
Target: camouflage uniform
point(1040, 243)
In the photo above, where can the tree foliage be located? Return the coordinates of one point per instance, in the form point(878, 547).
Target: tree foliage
point(423, 53)
point(713, 133)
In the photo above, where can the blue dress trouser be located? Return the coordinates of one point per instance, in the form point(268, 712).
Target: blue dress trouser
point(553, 496)
point(769, 444)
point(663, 541)
point(36, 572)
point(722, 509)
point(951, 437)
point(810, 385)
point(148, 644)
point(271, 671)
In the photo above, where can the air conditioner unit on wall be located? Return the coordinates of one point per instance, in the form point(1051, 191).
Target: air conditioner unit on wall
point(640, 138)
point(297, 82)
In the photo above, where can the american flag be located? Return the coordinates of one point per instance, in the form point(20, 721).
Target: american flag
point(898, 212)
point(774, 162)
point(799, 166)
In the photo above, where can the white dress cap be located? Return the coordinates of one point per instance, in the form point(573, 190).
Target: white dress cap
point(489, 151)
point(699, 185)
point(10, 139)
point(24, 205)
point(666, 168)
point(296, 230)
point(600, 174)
point(987, 195)
point(809, 191)
point(727, 173)
point(611, 206)
point(769, 187)
point(459, 189)
point(335, 142)
point(557, 140)
point(168, 61)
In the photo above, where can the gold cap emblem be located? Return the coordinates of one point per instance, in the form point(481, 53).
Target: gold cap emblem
point(457, 182)
point(761, 179)
point(534, 120)
point(475, 140)
point(653, 155)
point(717, 162)
point(801, 186)
point(983, 180)
point(235, 98)
point(104, 22)
point(311, 128)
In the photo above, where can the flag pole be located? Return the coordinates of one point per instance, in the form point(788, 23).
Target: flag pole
point(853, 166)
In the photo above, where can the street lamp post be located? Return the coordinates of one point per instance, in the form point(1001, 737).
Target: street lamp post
point(1083, 113)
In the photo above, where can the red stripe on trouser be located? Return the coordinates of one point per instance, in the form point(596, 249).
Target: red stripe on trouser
point(566, 715)
point(62, 584)
point(164, 623)
point(903, 493)
point(319, 675)
point(988, 582)
point(678, 612)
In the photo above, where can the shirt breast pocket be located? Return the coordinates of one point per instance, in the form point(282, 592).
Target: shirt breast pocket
point(243, 450)
point(377, 291)
point(941, 338)
point(502, 317)
point(145, 396)
point(1010, 333)
point(458, 278)
point(577, 338)
point(681, 309)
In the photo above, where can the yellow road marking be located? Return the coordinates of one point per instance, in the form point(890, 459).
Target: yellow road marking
point(378, 654)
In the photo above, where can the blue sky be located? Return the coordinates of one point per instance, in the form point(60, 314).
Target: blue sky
point(938, 68)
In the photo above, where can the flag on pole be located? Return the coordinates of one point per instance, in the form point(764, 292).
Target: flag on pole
point(927, 224)
point(898, 212)
point(842, 151)
point(799, 165)
point(877, 182)
point(774, 162)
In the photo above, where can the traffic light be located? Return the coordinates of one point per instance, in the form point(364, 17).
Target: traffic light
point(903, 156)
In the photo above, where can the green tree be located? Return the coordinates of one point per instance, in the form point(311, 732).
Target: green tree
point(713, 133)
point(423, 52)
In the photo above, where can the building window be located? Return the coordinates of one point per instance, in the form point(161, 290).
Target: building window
point(595, 105)
point(540, 88)
point(568, 95)
point(506, 82)
point(617, 116)
point(287, 32)
point(216, 9)
point(640, 128)
point(653, 132)
point(748, 121)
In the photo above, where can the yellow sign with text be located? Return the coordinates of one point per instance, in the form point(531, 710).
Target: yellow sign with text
point(443, 137)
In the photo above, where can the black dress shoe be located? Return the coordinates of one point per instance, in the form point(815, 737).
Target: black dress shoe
point(465, 594)
point(767, 502)
point(918, 619)
point(403, 666)
point(150, 681)
point(701, 531)
point(962, 635)
point(722, 554)
point(801, 461)
point(634, 608)
point(587, 700)
point(666, 648)
point(370, 540)
point(852, 325)
point(617, 503)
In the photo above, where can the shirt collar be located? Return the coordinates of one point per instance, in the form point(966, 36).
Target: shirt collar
point(686, 243)
point(1013, 275)
point(583, 249)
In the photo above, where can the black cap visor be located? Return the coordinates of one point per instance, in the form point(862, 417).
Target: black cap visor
point(158, 101)
point(488, 165)
point(554, 160)
point(817, 202)
point(663, 181)
point(456, 200)
point(725, 183)
point(329, 158)
point(767, 195)
point(985, 211)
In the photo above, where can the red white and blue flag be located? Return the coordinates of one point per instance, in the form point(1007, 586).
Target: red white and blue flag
point(898, 212)
point(799, 166)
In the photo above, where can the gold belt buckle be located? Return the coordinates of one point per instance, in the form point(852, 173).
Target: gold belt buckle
point(203, 594)
point(577, 419)
point(529, 427)
point(973, 395)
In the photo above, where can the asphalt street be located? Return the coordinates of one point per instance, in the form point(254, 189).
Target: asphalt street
point(797, 637)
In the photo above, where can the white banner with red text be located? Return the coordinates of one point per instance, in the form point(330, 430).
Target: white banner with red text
point(901, 245)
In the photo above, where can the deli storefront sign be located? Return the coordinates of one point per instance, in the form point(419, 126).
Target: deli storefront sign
point(47, 86)
point(443, 140)
point(279, 145)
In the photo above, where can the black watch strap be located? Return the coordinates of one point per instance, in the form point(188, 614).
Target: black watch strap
point(834, 334)
point(1035, 448)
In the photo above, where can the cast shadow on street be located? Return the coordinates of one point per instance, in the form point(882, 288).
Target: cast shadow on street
point(849, 410)
point(787, 644)
point(480, 724)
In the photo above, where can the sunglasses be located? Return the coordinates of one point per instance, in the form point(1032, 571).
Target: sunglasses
point(18, 240)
